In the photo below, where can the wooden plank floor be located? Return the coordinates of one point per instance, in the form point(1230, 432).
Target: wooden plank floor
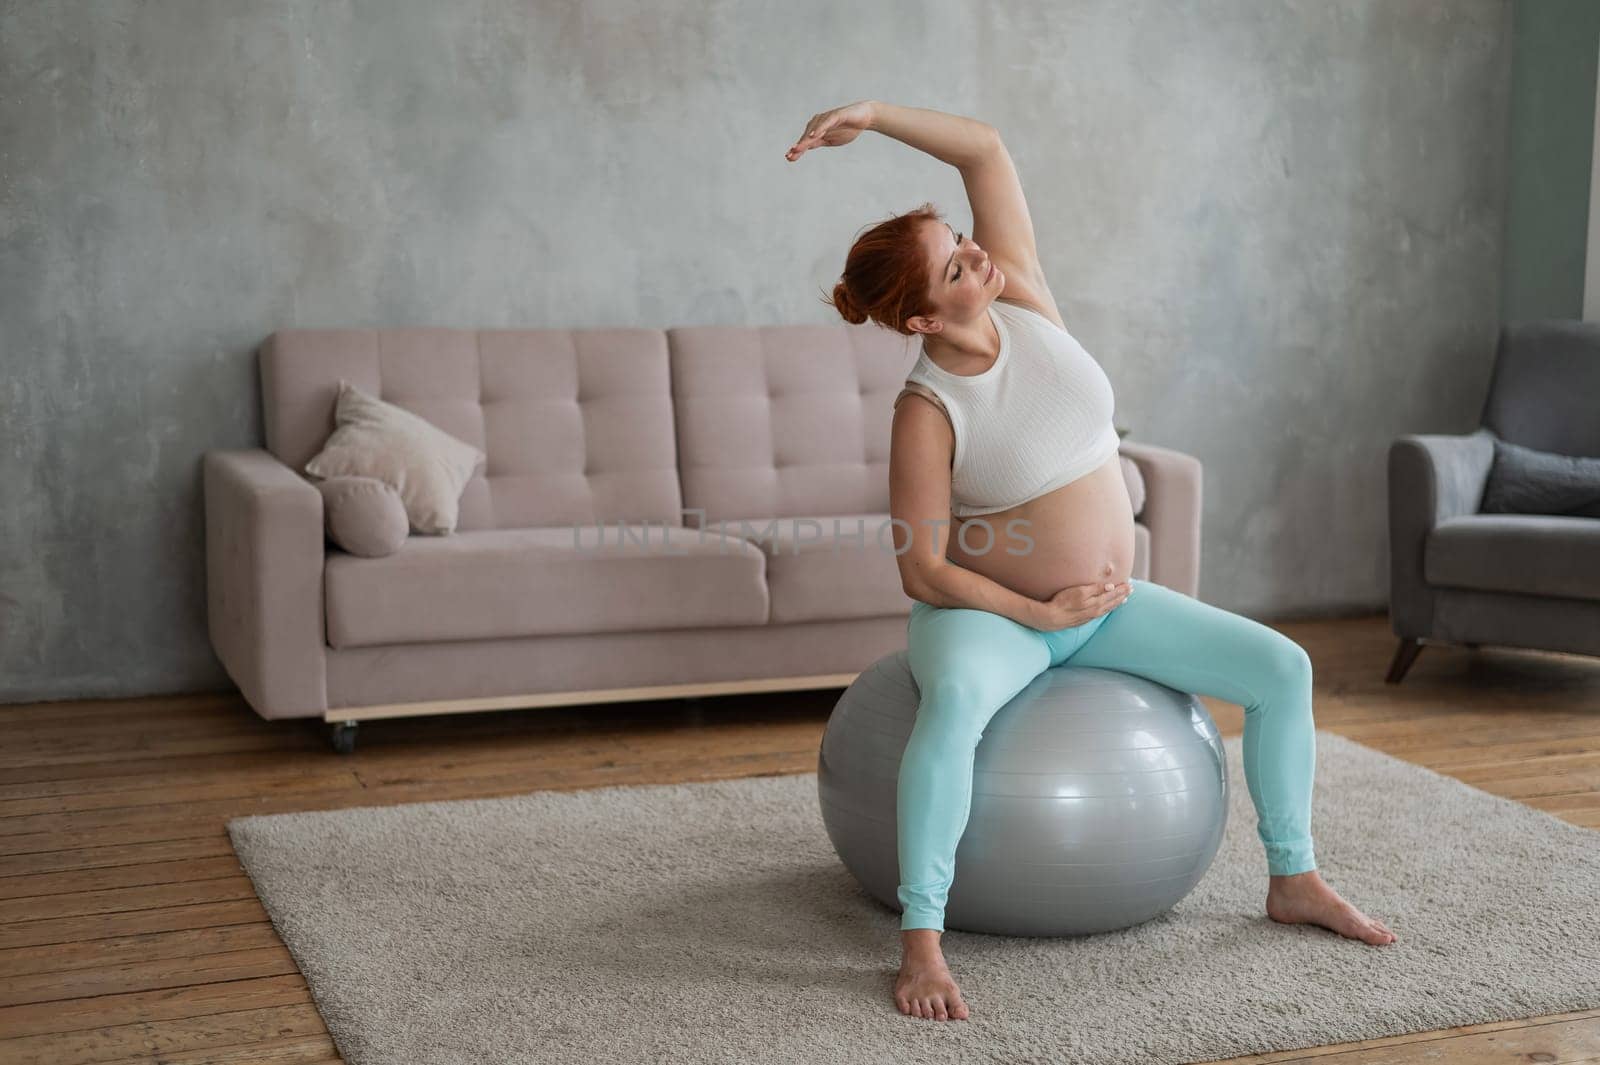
point(128, 931)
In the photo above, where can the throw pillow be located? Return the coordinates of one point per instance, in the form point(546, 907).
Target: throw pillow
point(426, 465)
point(1524, 481)
point(364, 515)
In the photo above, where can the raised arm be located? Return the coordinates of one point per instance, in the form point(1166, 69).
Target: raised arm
point(1001, 224)
point(961, 142)
point(1000, 220)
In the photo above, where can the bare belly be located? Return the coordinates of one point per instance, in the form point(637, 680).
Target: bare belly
point(1081, 533)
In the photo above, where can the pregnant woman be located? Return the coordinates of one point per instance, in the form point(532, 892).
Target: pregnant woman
point(1003, 465)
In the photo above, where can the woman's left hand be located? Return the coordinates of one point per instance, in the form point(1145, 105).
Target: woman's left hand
point(833, 128)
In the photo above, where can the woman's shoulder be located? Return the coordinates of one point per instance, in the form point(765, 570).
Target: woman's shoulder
point(919, 386)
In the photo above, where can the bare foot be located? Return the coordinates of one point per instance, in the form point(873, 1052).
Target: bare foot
point(1305, 898)
point(925, 987)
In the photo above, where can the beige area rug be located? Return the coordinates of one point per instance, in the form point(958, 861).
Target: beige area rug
point(712, 922)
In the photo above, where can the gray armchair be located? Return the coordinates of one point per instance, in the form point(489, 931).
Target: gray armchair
point(1518, 580)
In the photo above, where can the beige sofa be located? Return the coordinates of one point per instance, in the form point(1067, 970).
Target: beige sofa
point(663, 513)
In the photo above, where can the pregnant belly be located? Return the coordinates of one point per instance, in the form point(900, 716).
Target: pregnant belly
point(1080, 533)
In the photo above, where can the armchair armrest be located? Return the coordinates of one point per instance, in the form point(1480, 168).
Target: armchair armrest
point(264, 561)
point(1431, 477)
point(1171, 512)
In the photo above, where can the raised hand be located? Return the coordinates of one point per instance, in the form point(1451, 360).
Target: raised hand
point(833, 128)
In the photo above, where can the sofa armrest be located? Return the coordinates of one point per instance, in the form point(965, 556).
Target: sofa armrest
point(1171, 512)
point(1431, 477)
point(264, 562)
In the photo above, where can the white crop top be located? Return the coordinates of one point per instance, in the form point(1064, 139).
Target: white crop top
point(1038, 418)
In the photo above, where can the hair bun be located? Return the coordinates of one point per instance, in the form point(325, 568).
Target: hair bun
point(846, 306)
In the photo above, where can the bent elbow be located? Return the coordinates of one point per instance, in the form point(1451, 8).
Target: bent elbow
point(915, 581)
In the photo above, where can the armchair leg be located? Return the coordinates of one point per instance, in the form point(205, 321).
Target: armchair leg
point(1404, 655)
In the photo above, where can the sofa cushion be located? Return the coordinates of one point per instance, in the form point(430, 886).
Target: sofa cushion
point(825, 567)
point(577, 423)
point(785, 421)
point(1532, 554)
point(501, 583)
point(363, 515)
point(422, 462)
point(1523, 480)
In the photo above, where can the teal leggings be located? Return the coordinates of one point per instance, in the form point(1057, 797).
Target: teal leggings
point(969, 663)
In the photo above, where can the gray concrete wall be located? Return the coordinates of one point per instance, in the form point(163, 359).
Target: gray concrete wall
point(1278, 227)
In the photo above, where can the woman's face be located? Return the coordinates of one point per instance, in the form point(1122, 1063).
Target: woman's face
point(964, 280)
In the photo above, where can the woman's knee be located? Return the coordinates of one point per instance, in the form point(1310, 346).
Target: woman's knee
point(1287, 663)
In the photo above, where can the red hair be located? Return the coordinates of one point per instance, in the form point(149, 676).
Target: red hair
point(886, 273)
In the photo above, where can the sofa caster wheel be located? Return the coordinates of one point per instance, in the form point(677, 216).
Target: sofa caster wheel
point(344, 736)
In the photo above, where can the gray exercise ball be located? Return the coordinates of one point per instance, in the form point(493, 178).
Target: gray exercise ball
point(1099, 799)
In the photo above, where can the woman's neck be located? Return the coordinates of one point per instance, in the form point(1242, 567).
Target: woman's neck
point(979, 342)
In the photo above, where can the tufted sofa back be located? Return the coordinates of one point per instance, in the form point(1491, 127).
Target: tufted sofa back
point(617, 424)
point(785, 421)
